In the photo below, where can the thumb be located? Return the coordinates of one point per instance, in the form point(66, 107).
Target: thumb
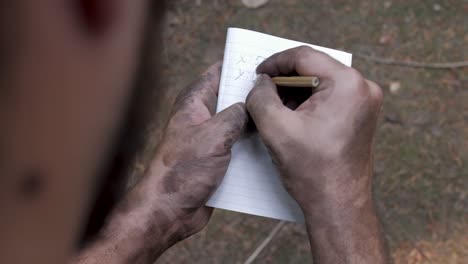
point(263, 102)
point(230, 123)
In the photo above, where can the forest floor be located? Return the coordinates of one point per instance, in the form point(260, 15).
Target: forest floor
point(421, 155)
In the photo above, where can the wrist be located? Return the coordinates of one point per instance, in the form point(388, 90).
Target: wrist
point(144, 231)
point(141, 226)
point(337, 188)
point(335, 208)
point(343, 224)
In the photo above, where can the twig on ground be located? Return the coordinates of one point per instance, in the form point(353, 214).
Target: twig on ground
point(421, 252)
point(265, 242)
point(415, 64)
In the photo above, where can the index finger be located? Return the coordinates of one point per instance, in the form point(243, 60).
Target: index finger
point(302, 60)
point(205, 89)
point(211, 77)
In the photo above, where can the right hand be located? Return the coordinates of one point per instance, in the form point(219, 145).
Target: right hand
point(323, 148)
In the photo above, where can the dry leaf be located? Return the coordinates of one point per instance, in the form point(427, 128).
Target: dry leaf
point(394, 87)
point(254, 3)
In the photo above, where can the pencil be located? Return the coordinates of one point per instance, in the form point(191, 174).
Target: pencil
point(297, 81)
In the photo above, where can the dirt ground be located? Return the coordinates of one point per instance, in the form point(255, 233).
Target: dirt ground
point(421, 158)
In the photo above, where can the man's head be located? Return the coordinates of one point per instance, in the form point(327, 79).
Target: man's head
point(68, 71)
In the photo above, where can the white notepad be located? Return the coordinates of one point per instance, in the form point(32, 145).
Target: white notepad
point(252, 184)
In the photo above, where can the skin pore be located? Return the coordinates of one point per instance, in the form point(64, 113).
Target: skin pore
point(69, 81)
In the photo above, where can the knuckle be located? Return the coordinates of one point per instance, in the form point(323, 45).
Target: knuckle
point(258, 109)
point(267, 111)
point(355, 81)
point(376, 92)
point(219, 147)
point(302, 61)
point(236, 113)
point(220, 144)
point(303, 53)
point(252, 97)
point(185, 96)
point(241, 112)
point(224, 132)
point(355, 77)
point(239, 108)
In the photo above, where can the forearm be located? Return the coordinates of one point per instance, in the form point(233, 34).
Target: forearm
point(138, 231)
point(346, 231)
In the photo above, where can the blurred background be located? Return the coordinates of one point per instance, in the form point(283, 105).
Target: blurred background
point(421, 156)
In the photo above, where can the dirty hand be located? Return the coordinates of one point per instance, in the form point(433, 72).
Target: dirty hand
point(322, 148)
point(168, 203)
point(194, 153)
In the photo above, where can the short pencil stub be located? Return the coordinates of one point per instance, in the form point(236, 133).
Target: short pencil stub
point(297, 81)
point(315, 82)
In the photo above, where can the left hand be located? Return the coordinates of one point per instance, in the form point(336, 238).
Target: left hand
point(168, 203)
point(194, 154)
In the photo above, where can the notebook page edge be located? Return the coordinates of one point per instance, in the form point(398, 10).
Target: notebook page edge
point(345, 57)
point(224, 73)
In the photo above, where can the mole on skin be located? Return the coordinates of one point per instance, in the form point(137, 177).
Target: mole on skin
point(31, 184)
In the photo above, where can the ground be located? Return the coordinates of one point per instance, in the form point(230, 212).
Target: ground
point(421, 155)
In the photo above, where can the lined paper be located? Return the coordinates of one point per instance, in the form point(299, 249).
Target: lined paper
point(252, 184)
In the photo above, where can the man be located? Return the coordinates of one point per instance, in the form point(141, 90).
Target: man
point(67, 72)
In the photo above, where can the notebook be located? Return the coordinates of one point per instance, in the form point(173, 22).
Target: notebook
point(252, 184)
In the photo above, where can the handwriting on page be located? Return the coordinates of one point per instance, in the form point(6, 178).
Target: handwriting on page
point(240, 66)
point(244, 66)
